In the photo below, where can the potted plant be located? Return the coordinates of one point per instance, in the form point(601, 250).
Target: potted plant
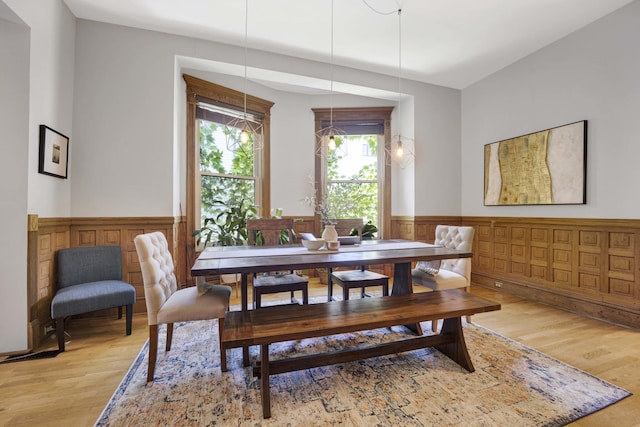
point(228, 228)
point(368, 231)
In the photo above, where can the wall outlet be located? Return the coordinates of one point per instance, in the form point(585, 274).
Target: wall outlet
point(498, 284)
point(48, 329)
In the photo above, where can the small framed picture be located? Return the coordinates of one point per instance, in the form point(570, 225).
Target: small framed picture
point(54, 152)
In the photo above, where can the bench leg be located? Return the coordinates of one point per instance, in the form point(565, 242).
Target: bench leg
point(264, 381)
point(456, 350)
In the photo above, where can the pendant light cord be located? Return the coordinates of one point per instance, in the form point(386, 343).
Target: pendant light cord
point(331, 73)
point(399, 60)
point(379, 12)
point(246, 26)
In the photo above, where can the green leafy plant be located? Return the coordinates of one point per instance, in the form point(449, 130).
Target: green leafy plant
point(368, 231)
point(229, 226)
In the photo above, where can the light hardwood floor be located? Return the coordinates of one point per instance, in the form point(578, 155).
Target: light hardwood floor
point(73, 388)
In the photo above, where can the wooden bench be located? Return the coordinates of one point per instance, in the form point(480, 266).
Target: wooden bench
point(293, 322)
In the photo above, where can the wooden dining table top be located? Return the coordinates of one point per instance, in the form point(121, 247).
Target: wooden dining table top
point(256, 259)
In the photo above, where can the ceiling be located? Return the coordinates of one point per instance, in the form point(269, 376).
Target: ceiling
point(451, 43)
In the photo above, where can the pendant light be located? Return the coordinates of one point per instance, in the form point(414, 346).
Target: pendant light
point(401, 152)
point(250, 126)
point(326, 136)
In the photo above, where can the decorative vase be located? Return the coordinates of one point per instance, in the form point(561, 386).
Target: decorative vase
point(330, 234)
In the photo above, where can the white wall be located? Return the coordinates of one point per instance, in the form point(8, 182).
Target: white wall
point(125, 121)
point(14, 122)
point(592, 74)
point(37, 88)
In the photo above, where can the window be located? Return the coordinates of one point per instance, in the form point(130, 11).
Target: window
point(213, 171)
point(352, 172)
point(228, 172)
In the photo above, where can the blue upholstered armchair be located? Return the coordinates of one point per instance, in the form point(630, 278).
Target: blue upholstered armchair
point(89, 278)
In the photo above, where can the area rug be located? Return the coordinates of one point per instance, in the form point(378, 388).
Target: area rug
point(512, 385)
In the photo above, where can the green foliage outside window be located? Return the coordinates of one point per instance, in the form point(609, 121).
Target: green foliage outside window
point(236, 182)
point(227, 186)
point(353, 195)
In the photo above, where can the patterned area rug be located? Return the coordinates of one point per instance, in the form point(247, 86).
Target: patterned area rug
point(512, 385)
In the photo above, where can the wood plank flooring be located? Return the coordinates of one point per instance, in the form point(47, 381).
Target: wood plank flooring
point(73, 388)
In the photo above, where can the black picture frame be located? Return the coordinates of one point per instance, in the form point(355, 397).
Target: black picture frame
point(54, 153)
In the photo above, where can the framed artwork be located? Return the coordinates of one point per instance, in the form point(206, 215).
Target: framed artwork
point(54, 153)
point(548, 167)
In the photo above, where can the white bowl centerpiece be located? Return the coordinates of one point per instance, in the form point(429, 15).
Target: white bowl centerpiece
point(313, 245)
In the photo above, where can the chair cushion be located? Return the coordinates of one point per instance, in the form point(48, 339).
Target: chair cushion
point(185, 305)
point(358, 276)
point(86, 264)
point(429, 267)
point(280, 279)
point(204, 287)
point(93, 296)
point(445, 279)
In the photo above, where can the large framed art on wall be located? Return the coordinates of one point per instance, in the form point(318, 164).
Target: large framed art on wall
point(541, 168)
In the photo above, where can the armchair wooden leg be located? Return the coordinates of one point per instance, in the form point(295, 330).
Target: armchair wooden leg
point(120, 312)
point(60, 333)
point(223, 351)
point(169, 336)
point(153, 351)
point(129, 318)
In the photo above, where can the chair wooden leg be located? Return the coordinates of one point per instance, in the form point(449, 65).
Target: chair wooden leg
point(385, 289)
point(305, 295)
point(120, 312)
point(329, 285)
point(468, 289)
point(223, 351)
point(345, 292)
point(129, 320)
point(257, 298)
point(153, 351)
point(169, 336)
point(60, 333)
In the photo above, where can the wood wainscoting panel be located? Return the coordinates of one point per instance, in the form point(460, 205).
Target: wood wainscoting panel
point(122, 232)
point(519, 248)
point(49, 236)
point(52, 234)
point(589, 266)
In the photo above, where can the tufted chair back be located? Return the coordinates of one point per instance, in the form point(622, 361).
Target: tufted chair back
point(455, 237)
point(157, 272)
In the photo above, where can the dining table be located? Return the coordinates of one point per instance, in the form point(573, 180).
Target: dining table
point(248, 260)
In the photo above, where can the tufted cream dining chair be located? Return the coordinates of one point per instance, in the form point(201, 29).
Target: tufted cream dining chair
point(450, 273)
point(166, 304)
